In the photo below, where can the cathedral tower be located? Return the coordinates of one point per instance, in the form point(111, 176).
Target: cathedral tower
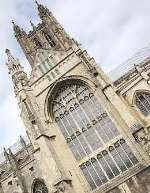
point(82, 131)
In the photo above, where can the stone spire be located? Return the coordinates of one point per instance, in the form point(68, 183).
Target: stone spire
point(17, 30)
point(15, 69)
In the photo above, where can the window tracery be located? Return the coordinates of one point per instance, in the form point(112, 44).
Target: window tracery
point(142, 101)
point(87, 127)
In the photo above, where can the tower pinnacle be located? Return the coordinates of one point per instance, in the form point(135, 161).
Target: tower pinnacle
point(43, 11)
point(15, 69)
point(33, 26)
point(37, 3)
point(13, 64)
point(18, 31)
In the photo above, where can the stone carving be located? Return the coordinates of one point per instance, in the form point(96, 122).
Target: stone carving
point(40, 187)
point(64, 186)
point(143, 139)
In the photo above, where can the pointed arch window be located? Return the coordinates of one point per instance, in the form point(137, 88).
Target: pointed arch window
point(39, 187)
point(142, 100)
point(86, 127)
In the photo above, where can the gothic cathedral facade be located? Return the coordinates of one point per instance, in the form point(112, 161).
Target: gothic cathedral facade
point(87, 133)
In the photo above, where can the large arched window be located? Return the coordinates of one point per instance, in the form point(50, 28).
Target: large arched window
point(86, 128)
point(39, 187)
point(142, 100)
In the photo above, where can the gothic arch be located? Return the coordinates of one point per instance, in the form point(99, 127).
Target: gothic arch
point(141, 101)
point(56, 85)
point(39, 186)
point(86, 127)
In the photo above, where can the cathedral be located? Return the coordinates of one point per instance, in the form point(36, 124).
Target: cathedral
point(86, 133)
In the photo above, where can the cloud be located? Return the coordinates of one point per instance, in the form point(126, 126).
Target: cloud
point(111, 30)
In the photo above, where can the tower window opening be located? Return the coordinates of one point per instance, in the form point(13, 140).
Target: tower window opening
point(37, 42)
point(49, 39)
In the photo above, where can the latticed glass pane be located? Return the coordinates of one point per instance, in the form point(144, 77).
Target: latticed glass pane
point(143, 103)
point(86, 127)
point(108, 164)
point(40, 187)
point(82, 120)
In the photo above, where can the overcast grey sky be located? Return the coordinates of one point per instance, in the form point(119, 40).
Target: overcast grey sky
point(111, 30)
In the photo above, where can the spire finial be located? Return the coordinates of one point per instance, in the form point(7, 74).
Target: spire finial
point(7, 51)
point(13, 22)
point(9, 55)
point(37, 3)
point(33, 26)
point(18, 31)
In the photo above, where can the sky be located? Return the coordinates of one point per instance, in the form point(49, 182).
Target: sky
point(111, 31)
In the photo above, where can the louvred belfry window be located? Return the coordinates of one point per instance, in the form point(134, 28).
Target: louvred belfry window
point(87, 127)
point(39, 187)
point(143, 102)
point(49, 39)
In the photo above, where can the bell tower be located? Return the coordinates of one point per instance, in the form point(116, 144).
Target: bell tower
point(81, 129)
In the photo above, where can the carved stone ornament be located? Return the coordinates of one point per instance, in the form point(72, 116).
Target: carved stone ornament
point(63, 186)
point(143, 139)
point(40, 187)
point(20, 77)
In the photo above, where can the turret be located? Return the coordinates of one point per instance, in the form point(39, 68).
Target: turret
point(19, 32)
point(19, 77)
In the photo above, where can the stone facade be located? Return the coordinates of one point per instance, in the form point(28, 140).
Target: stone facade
point(87, 133)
